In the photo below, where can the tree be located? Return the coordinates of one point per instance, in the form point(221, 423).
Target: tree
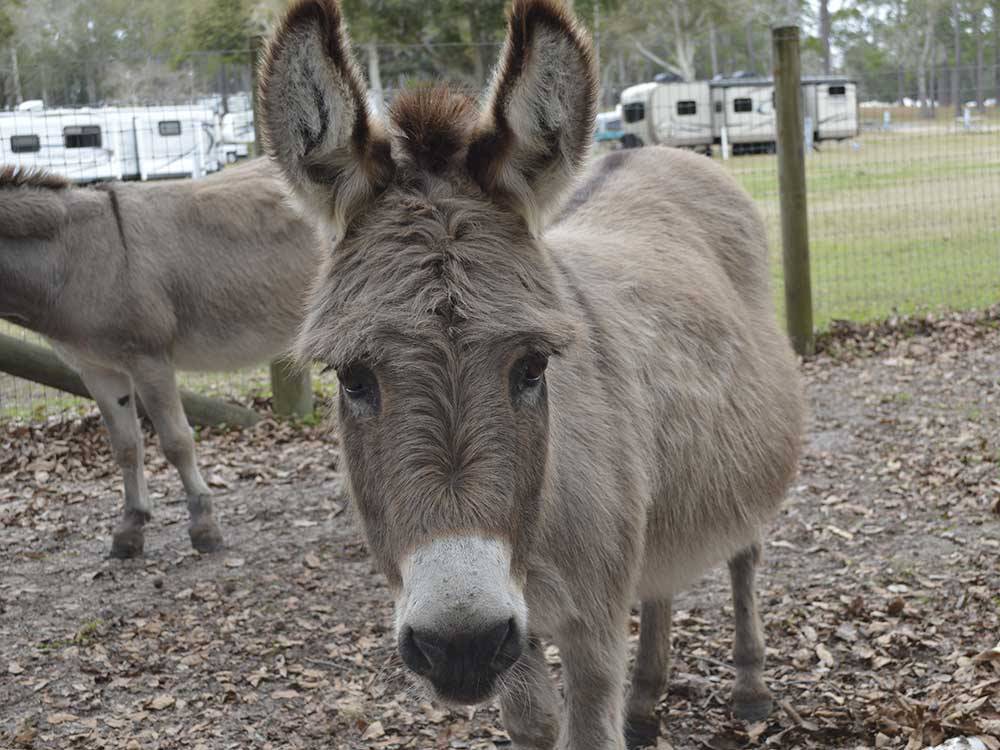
point(824, 34)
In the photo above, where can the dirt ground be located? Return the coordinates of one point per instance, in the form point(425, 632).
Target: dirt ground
point(880, 592)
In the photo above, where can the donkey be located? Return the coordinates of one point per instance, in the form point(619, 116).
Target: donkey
point(131, 281)
point(547, 409)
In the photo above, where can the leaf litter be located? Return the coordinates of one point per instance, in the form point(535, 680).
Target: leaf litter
point(879, 591)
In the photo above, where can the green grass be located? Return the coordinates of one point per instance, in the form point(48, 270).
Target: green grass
point(902, 223)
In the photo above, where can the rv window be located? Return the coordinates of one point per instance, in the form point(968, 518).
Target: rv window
point(634, 112)
point(687, 108)
point(25, 144)
point(742, 105)
point(718, 107)
point(838, 91)
point(169, 127)
point(82, 136)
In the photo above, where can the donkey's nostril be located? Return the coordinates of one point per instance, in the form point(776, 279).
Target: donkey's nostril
point(509, 646)
point(415, 657)
point(459, 657)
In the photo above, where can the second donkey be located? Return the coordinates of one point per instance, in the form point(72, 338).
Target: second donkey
point(131, 282)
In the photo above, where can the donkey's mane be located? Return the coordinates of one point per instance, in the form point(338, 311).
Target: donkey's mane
point(18, 177)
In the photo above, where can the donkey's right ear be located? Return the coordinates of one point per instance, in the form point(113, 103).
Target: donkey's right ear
point(316, 121)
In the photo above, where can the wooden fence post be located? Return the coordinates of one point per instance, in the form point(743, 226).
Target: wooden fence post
point(792, 186)
point(291, 386)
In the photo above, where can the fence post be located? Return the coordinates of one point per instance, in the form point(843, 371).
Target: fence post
point(291, 386)
point(792, 186)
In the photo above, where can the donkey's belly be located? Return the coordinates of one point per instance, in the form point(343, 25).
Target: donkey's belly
point(675, 561)
point(236, 349)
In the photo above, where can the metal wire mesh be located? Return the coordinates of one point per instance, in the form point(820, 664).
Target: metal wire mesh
point(904, 210)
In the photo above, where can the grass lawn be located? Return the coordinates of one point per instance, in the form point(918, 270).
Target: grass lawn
point(898, 221)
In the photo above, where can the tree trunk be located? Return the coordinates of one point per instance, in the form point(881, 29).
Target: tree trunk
point(684, 47)
point(980, 58)
point(713, 50)
point(956, 94)
point(933, 86)
point(824, 33)
point(751, 57)
point(224, 87)
point(996, 50)
point(375, 76)
point(15, 75)
point(40, 365)
point(91, 85)
point(922, 59)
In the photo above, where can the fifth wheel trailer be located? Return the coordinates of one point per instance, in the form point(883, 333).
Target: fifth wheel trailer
point(90, 144)
point(694, 114)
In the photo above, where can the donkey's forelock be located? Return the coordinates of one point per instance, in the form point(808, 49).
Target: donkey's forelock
point(452, 268)
point(432, 127)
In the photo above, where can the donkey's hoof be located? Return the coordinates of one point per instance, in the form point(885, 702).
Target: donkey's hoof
point(755, 709)
point(206, 537)
point(127, 543)
point(641, 732)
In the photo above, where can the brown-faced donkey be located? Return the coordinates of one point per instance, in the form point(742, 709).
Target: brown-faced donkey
point(543, 419)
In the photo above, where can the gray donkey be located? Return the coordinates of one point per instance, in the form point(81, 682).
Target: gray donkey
point(542, 419)
point(130, 281)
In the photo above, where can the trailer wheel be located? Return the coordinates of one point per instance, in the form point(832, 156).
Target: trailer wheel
point(631, 141)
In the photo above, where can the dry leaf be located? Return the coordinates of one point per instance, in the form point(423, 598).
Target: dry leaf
point(825, 657)
point(60, 718)
point(161, 702)
point(374, 731)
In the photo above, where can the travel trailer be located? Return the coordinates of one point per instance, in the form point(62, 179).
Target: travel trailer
point(91, 144)
point(832, 106)
point(674, 113)
point(738, 110)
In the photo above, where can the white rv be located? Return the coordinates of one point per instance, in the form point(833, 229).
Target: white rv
point(89, 144)
point(675, 113)
point(832, 106)
point(695, 114)
point(745, 108)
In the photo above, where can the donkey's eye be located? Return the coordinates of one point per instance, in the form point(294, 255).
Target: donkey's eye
point(357, 382)
point(529, 371)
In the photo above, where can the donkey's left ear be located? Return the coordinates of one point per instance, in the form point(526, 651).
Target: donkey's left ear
point(315, 113)
point(540, 110)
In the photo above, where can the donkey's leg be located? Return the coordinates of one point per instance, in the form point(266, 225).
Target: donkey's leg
point(751, 698)
point(157, 387)
point(116, 400)
point(649, 679)
point(529, 706)
point(594, 663)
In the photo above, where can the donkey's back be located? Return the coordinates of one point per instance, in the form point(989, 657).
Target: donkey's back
point(670, 255)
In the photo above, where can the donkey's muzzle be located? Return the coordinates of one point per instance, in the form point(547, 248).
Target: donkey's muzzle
point(463, 667)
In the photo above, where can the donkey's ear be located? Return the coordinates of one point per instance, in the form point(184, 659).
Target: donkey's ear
point(540, 110)
point(315, 113)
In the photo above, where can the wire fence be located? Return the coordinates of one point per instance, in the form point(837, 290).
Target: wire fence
point(903, 176)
